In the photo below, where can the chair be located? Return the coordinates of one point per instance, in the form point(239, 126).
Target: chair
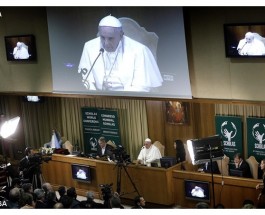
point(133, 30)
point(111, 144)
point(160, 147)
point(257, 36)
point(253, 165)
point(223, 165)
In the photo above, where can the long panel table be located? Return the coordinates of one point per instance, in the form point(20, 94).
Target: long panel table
point(229, 191)
point(153, 183)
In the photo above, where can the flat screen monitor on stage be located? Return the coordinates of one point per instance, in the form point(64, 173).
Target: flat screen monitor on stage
point(197, 190)
point(167, 162)
point(81, 173)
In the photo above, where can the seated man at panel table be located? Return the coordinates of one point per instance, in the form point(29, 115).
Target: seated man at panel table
point(149, 153)
point(242, 165)
point(104, 149)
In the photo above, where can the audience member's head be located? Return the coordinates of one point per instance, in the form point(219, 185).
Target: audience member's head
point(51, 196)
point(248, 206)
point(39, 194)
point(115, 202)
point(202, 205)
point(27, 188)
point(90, 196)
point(27, 200)
point(47, 187)
point(71, 192)
point(139, 201)
point(62, 190)
point(14, 194)
point(247, 201)
point(66, 201)
point(219, 206)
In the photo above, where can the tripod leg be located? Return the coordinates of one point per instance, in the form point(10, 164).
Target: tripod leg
point(131, 180)
point(119, 179)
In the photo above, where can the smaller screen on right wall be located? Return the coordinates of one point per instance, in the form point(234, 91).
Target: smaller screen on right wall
point(244, 40)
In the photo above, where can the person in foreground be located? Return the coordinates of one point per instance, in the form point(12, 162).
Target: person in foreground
point(241, 164)
point(115, 62)
point(261, 197)
point(148, 153)
point(139, 202)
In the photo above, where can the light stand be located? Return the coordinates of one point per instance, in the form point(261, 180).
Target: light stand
point(206, 150)
point(7, 129)
point(211, 161)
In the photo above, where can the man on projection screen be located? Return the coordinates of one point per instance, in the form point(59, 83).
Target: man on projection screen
point(115, 62)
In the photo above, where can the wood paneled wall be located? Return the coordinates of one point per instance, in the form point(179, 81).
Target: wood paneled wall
point(201, 124)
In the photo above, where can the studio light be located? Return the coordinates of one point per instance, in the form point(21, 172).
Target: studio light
point(9, 127)
point(205, 149)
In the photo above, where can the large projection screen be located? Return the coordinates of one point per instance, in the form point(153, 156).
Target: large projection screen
point(71, 27)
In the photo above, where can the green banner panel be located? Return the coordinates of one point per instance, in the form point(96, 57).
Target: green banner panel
point(230, 129)
point(99, 122)
point(256, 138)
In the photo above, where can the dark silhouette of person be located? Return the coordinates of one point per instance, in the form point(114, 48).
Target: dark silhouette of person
point(180, 151)
point(208, 168)
point(241, 164)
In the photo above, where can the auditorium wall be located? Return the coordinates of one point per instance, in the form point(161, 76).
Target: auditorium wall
point(213, 76)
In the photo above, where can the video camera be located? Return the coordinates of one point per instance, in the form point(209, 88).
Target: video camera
point(120, 155)
point(38, 159)
point(106, 190)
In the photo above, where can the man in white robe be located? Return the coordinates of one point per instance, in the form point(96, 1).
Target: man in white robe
point(20, 51)
point(250, 45)
point(118, 62)
point(149, 153)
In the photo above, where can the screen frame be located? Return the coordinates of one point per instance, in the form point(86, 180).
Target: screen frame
point(28, 39)
point(205, 184)
point(234, 33)
point(89, 180)
point(173, 64)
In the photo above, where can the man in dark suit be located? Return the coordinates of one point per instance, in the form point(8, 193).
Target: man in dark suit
point(25, 165)
point(104, 150)
point(29, 168)
point(242, 165)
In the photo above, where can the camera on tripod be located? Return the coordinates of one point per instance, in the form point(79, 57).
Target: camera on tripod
point(121, 156)
point(106, 191)
point(38, 159)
